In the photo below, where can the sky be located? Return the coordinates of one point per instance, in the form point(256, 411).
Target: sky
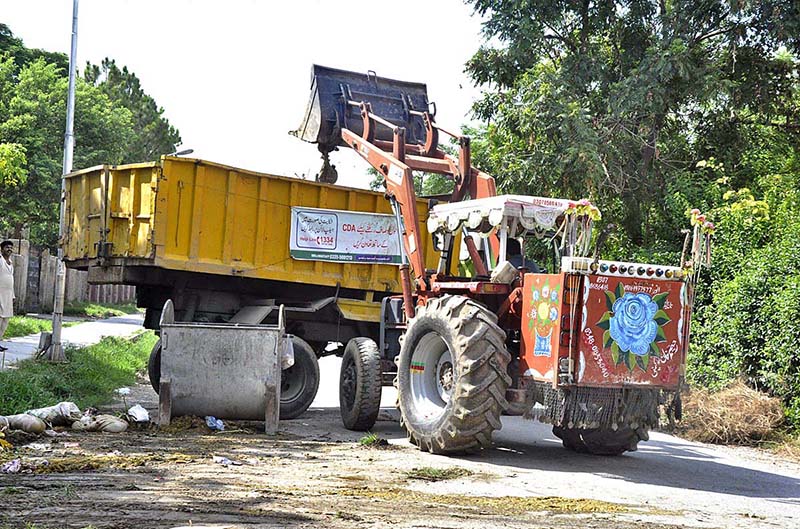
point(234, 76)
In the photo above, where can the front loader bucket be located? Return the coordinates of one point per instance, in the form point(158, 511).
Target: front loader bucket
point(329, 111)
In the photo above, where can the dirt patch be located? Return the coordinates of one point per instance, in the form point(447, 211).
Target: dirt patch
point(312, 474)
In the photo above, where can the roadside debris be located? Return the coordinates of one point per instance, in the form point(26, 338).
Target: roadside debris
point(41, 421)
point(224, 461)
point(62, 414)
point(100, 423)
point(11, 467)
point(138, 414)
point(214, 423)
point(26, 423)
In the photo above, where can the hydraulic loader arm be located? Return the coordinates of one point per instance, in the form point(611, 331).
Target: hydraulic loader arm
point(399, 137)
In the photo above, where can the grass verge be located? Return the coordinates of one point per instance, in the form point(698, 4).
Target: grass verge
point(89, 377)
point(95, 310)
point(25, 325)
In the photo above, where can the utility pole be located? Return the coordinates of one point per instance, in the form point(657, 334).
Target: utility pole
point(56, 351)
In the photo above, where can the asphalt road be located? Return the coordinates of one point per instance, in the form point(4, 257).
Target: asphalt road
point(80, 335)
point(695, 485)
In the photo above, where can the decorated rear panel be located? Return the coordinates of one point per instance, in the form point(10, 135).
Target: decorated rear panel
point(632, 332)
point(543, 310)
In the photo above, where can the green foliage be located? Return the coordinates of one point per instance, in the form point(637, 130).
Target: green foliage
point(606, 100)
point(88, 379)
point(751, 328)
point(115, 122)
point(25, 325)
point(155, 136)
point(12, 165)
point(96, 310)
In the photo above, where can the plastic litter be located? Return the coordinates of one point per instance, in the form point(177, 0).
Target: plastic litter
point(138, 414)
point(61, 414)
point(214, 423)
point(287, 355)
point(11, 467)
point(224, 461)
point(53, 433)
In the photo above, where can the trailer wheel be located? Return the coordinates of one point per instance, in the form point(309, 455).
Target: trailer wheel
point(600, 441)
point(154, 366)
point(452, 376)
point(360, 384)
point(300, 382)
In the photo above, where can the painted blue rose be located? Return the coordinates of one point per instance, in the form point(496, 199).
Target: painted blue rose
point(632, 326)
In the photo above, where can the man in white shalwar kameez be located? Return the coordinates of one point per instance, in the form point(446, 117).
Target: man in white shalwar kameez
point(6, 287)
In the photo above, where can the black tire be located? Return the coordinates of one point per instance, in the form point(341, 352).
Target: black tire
point(360, 384)
point(300, 382)
point(154, 366)
point(464, 340)
point(600, 442)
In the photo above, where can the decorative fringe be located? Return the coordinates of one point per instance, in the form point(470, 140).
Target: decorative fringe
point(591, 407)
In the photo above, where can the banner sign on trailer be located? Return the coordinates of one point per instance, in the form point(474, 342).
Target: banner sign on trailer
point(343, 236)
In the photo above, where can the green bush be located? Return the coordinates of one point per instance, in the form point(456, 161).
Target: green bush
point(89, 378)
point(751, 327)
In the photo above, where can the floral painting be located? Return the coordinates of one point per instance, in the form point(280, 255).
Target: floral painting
point(633, 325)
point(543, 316)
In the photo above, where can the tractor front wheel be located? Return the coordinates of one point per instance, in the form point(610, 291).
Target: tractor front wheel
point(452, 377)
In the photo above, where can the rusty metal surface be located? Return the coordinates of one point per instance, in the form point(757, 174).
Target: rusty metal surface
point(228, 371)
point(329, 109)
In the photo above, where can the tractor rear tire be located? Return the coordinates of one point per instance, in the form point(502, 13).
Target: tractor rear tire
point(300, 382)
point(154, 366)
point(600, 441)
point(360, 384)
point(452, 377)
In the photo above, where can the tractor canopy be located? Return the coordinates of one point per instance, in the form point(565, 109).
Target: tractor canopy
point(519, 214)
point(335, 99)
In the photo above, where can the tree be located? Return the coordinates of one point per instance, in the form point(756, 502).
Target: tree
point(155, 136)
point(607, 99)
point(34, 117)
point(115, 122)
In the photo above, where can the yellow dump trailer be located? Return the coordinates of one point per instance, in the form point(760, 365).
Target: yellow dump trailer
point(231, 245)
point(198, 216)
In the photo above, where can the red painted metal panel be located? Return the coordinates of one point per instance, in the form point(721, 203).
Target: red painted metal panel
point(632, 332)
point(542, 313)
